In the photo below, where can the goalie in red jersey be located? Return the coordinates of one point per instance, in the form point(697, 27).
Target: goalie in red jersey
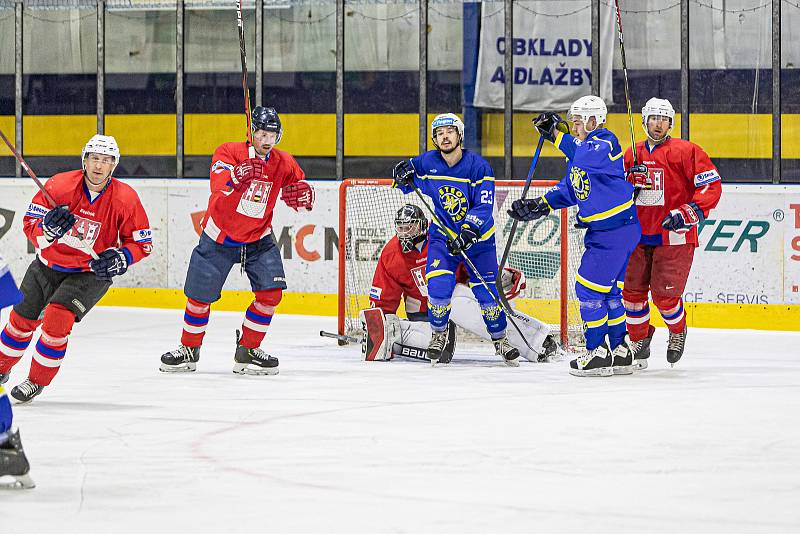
point(400, 275)
point(246, 180)
point(679, 188)
point(63, 283)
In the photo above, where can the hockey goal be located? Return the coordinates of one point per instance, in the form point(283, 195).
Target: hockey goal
point(548, 251)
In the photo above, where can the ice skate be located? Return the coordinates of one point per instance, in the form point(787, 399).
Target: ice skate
point(596, 362)
point(253, 361)
point(622, 358)
point(4, 378)
point(450, 344)
point(13, 462)
point(26, 391)
point(181, 360)
point(641, 350)
point(509, 354)
point(437, 346)
point(551, 350)
point(675, 346)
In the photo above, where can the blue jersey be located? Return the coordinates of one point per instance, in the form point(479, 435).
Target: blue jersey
point(595, 181)
point(462, 194)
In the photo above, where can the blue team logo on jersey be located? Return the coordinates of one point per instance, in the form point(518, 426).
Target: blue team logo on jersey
point(453, 201)
point(580, 183)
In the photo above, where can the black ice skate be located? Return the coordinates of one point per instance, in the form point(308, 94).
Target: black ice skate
point(622, 358)
point(551, 350)
point(596, 362)
point(181, 360)
point(450, 344)
point(26, 391)
point(504, 349)
point(4, 378)
point(437, 346)
point(253, 361)
point(13, 462)
point(641, 350)
point(675, 346)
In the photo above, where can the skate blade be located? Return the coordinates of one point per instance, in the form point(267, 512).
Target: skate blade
point(600, 371)
point(244, 369)
point(512, 363)
point(18, 482)
point(622, 369)
point(639, 365)
point(182, 368)
point(19, 402)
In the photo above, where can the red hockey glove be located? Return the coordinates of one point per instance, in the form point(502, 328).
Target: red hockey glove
point(639, 177)
point(298, 196)
point(513, 281)
point(682, 219)
point(247, 171)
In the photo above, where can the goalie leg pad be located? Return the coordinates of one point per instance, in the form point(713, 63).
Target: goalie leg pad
point(379, 333)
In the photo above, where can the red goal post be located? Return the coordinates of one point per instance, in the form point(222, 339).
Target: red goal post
point(548, 251)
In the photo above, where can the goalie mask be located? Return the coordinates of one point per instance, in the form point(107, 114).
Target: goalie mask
point(411, 227)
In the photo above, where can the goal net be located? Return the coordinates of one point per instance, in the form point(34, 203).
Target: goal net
point(547, 251)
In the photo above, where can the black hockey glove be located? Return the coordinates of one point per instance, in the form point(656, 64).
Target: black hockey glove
point(57, 222)
point(112, 262)
point(403, 173)
point(528, 209)
point(549, 123)
point(465, 239)
point(682, 219)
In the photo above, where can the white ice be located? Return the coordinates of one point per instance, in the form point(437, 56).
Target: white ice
point(334, 444)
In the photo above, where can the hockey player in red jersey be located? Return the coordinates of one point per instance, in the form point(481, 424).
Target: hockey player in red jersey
point(679, 187)
point(400, 275)
point(63, 283)
point(246, 180)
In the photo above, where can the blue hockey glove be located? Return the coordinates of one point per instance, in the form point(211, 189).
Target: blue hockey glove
point(548, 123)
point(112, 262)
point(465, 239)
point(57, 222)
point(528, 209)
point(403, 173)
point(682, 219)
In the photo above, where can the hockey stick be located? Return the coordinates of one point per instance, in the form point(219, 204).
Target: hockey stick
point(507, 250)
point(404, 353)
point(340, 337)
point(44, 191)
point(243, 54)
point(469, 263)
point(625, 78)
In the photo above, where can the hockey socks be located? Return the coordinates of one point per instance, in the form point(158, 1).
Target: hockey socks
point(195, 322)
point(672, 312)
point(52, 344)
point(258, 317)
point(14, 339)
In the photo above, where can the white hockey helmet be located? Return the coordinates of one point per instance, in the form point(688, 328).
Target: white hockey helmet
point(661, 107)
point(587, 107)
point(101, 144)
point(447, 119)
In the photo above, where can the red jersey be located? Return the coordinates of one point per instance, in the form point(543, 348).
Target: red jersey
point(114, 218)
point(402, 275)
point(234, 218)
point(681, 172)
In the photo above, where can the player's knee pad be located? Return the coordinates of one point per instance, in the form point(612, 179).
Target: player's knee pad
point(440, 287)
point(666, 304)
point(58, 321)
point(634, 300)
point(379, 332)
point(269, 297)
point(585, 294)
point(20, 326)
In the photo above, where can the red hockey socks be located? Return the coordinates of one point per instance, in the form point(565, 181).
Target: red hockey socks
point(14, 339)
point(52, 344)
point(195, 321)
point(671, 309)
point(258, 317)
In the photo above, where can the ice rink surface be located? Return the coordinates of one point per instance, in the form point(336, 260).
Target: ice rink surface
point(334, 444)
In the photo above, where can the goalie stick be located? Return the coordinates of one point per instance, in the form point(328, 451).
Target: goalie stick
point(405, 350)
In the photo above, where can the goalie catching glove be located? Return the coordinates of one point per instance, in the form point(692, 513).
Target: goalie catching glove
point(513, 282)
point(298, 196)
point(110, 263)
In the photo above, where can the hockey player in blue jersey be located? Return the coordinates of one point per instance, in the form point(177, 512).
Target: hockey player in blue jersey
point(461, 184)
point(595, 182)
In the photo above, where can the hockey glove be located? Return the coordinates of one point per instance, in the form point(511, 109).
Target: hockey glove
point(639, 177)
point(112, 262)
point(512, 281)
point(57, 222)
point(465, 239)
point(529, 209)
point(403, 174)
point(682, 219)
point(298, 196)
point(549, 123)
point(247, 171)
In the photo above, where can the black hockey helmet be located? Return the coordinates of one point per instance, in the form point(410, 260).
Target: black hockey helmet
point(266, 119)
point(411, 226)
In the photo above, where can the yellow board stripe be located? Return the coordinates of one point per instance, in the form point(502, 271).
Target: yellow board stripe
point(608, 213)
point(591, 285)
